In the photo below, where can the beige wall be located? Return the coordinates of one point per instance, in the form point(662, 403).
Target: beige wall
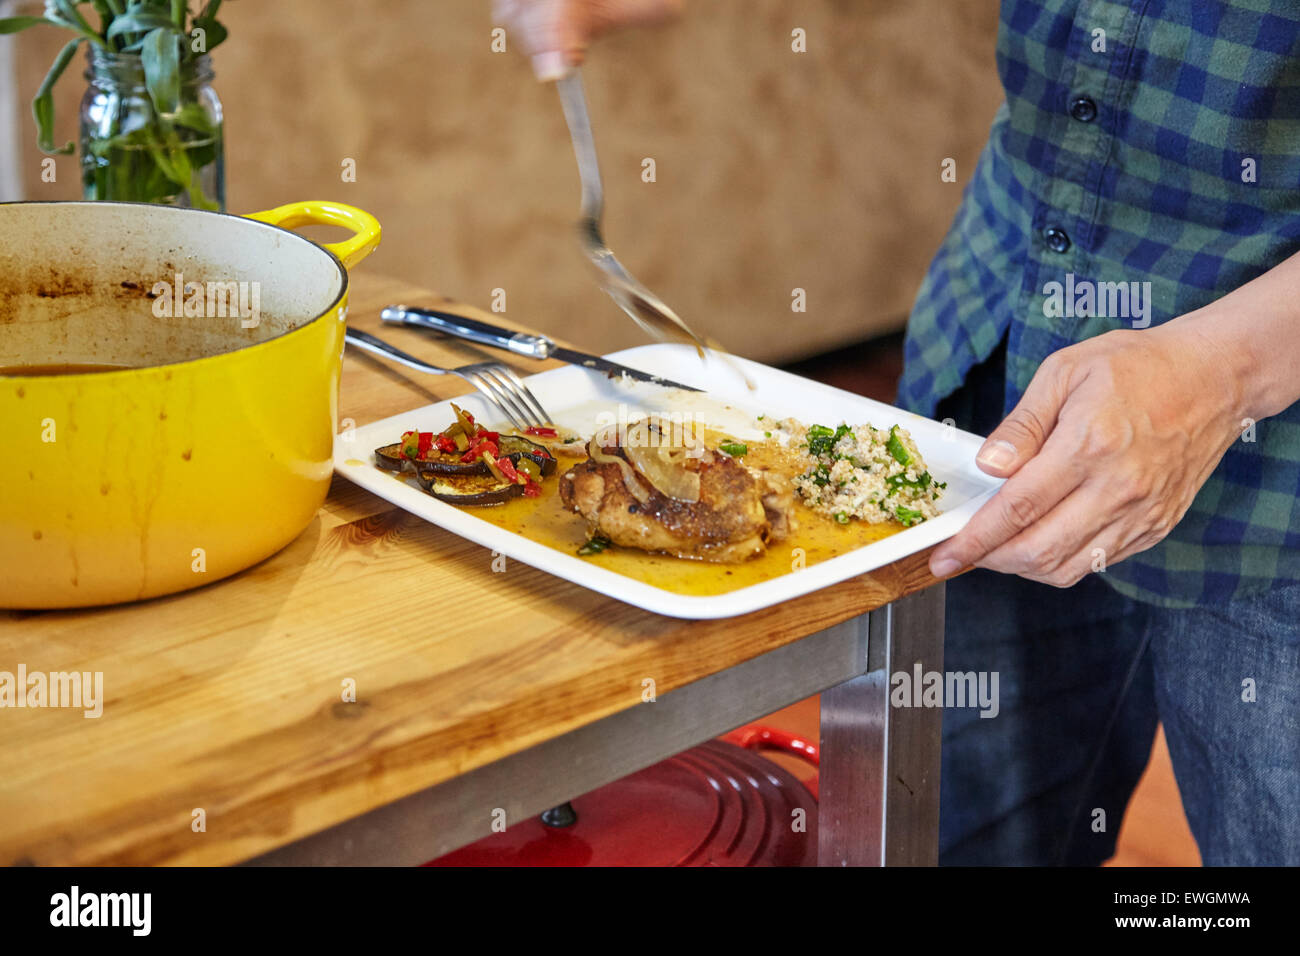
point(775, 170)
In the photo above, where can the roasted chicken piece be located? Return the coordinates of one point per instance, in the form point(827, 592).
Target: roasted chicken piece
point(737, 513)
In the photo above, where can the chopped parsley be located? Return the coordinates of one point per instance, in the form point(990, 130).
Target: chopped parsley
point(896, 482)
point(821, 440)
point(594, 546)
point(907, 517)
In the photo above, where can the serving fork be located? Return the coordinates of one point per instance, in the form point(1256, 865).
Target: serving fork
point(496, 382)
point(645, 308)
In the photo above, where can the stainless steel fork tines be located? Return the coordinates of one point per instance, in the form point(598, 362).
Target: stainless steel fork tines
point(508, 391)
point(497, 383)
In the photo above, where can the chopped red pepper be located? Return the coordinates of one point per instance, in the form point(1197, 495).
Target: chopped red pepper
point(480, 446)
point(416, 444)
point(508, 469)
point(532, 489)
point(445, 444)
point(541, 431)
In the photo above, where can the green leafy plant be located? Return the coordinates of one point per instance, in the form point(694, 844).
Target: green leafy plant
point(152, 161)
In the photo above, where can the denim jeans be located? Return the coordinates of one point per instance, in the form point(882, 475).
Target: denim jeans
point(1085, 675)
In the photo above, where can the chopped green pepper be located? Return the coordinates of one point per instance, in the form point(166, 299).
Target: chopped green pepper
point(734, 448)
point(897, 448)
point(411, 445)
point(465, 419)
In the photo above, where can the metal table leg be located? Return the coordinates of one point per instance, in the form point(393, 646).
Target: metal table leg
point(879, 774)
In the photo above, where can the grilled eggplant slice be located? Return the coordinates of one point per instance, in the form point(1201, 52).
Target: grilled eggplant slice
point(513, 447)
point(463, 489)
point(565, 443)
point(390, 457)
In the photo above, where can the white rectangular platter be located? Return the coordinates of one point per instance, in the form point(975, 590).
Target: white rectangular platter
point(575, 396)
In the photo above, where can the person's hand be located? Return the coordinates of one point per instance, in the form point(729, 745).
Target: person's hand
point(1111, 441)
point(556, 33)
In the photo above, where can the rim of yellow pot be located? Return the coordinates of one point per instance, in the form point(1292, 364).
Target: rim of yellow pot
point(330, 309)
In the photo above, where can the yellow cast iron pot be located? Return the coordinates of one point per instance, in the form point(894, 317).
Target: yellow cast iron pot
point(209, 448)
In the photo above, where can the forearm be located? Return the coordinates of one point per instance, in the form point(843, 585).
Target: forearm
point(1253, 333)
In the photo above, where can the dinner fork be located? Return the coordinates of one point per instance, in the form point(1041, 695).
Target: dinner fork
point(645, 308)
point(496, 382)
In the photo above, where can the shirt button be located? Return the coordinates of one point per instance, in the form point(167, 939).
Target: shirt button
point(1084, 109)
point(1056, 239)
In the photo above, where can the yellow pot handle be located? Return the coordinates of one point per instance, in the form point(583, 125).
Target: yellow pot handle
point(317, 212)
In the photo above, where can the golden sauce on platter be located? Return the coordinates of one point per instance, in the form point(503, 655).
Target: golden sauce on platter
point(816, 539)
point(545, 521)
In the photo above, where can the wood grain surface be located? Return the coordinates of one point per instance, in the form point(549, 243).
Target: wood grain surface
point(229, 699)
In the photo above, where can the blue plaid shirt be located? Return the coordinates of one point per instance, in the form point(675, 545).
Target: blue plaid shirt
point(1142, 141)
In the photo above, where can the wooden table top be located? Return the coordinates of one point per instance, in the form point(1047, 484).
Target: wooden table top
point(228, 699)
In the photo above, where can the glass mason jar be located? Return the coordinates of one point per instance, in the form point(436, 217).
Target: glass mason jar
point(132, 153)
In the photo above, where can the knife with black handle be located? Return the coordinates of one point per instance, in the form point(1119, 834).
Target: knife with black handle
point(521, 343)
